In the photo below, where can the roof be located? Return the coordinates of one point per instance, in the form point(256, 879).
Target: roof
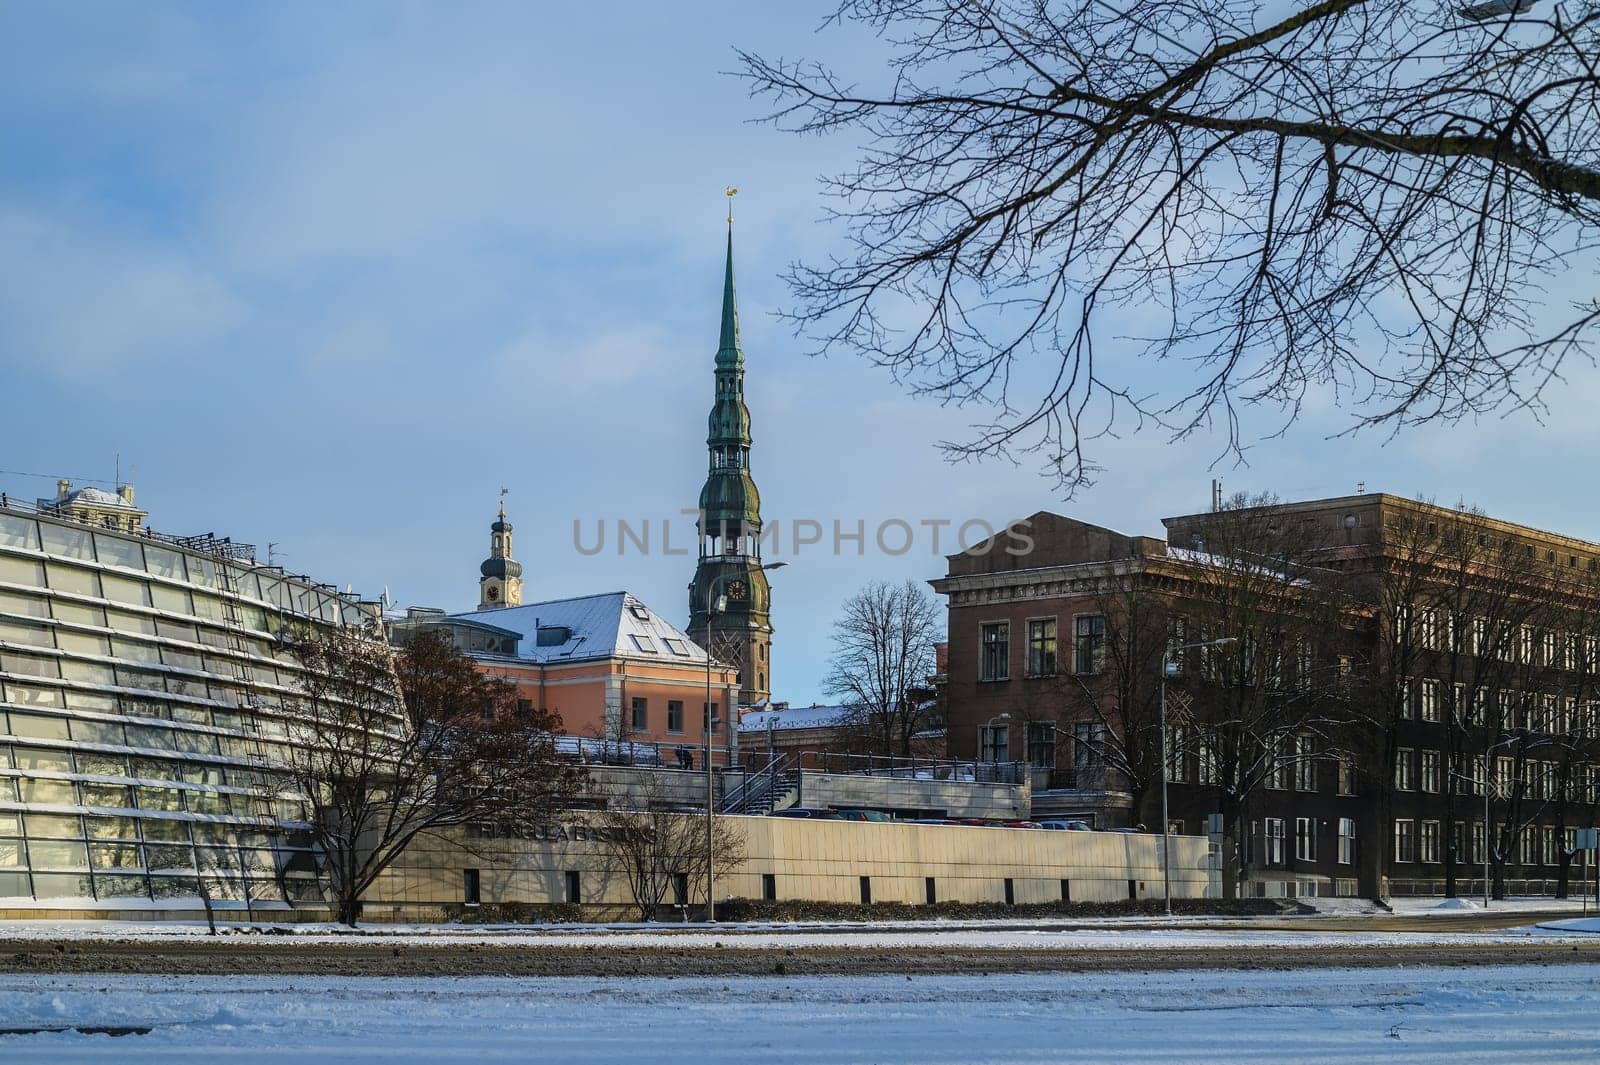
point(95, 496)
point(795, 717)
point(610, 625)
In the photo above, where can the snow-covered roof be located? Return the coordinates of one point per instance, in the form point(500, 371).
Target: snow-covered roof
point(795, 717)
point(610, 625)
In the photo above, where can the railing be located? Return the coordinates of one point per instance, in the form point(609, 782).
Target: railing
point(759, 790)
point(914, 768)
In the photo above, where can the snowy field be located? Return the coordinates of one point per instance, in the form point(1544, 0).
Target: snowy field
point(1523, 1014)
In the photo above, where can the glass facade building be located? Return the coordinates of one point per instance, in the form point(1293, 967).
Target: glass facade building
point(146, 705)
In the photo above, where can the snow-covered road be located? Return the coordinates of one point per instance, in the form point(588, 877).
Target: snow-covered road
point(1494, 1015)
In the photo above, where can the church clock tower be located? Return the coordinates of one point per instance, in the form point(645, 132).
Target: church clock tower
point(500, 580)
point(738, 631)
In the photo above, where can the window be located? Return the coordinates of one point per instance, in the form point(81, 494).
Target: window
point(573, 886)
point(1408, 706)
point(1430, 700)
point(1042, 647)
point(1278, 767)
point(1041, 745)
point(1528, 846)
point(1547, 844)
point(674, 715)
point(1403, 780)
point(1305, 765)
point(708, 716)
point(643, 643)
point(1089, 647)
point(1177, 755)
point(676, 646)
point(470, 892)
point(995, 661)
point(1088, 744)
point(1272, 837)
point(641, 715)
point(1305, 839)
point(1347, 841)
point(1405, 841)
point(1206, 765)
point(1430, 771)
point(1428, 839)
point(524, 710)
point(996, 742)
point(1503, 774)
point(1477, 843)
point(1347, 776)
point(769, 887)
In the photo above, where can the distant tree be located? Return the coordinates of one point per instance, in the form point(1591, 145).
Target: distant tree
point(653, 843)
point(387, 747)
point(883, 655)
point(1374, 201)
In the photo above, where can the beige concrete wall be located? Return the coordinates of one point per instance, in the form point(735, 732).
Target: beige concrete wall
point(813, 860)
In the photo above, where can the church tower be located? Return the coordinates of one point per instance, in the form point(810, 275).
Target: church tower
point(501, 580)
point(739, 631)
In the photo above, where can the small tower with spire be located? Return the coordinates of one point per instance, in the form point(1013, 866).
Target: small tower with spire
point(500, 583)
point(740, 632)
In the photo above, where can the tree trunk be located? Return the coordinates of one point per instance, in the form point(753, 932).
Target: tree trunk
point(1231, 865)
point(1563, 871)
point(1371, 849)
point(349, 910)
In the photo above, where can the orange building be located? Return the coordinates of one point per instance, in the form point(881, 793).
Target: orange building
point(616, 672)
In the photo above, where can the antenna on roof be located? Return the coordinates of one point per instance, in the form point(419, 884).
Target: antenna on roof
point(1216, 493)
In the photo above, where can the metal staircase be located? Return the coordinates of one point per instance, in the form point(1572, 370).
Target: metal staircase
point(777, 787)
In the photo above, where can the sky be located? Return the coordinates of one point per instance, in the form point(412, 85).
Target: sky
point(330, 276)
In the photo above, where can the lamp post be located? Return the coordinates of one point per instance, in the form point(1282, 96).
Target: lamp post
point(1170, 668)
point(715, 604)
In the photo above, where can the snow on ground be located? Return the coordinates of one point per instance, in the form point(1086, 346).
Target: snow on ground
point(863, 937)
point(1419, 1016)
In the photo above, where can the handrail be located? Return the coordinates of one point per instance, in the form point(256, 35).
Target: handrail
point(767, 775)
point(960, 770)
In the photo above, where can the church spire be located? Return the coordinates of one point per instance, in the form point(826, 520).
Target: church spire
point(730, 520)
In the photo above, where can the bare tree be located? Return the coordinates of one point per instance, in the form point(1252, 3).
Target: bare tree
point(656, 846)
point(1272, 699)
point(388, 747)
point(1375, 201)
point(883, 655)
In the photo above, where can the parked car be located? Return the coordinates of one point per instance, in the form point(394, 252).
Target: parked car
point(1020, 824)
point(1067, 826)
point(862, 815)
point(798, 811)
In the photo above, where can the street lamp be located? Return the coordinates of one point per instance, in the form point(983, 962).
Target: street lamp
point(715, 604)
point(1170, 668)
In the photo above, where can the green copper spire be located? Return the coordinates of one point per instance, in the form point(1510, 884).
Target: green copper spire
point(728, 353)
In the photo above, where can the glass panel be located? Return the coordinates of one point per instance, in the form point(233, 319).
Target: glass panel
point(21, 571)
point(164, 829)
point(128, 677)
point(73, 579)
point(224, 889)
point(15, 885)
point(38, 758)
point(22, 632)
point(66, 540)
point(136, 651)
point(170, 857)
point(194, 715)
point(156, 769)
point(137, 624)
point(253, 618)
point(173, 656)
point(10, 824)
point(208, 802)
point(195, 742)
point(164, 562)
point(13, 854)
point(174, 887)
point(45, 791)
point(115, 856)
point(218, 835)
point(57, 886)
point(61, 826)
point(82, 643)
point(120, 887)
point(125, 589)
point(8, 789)
point(303, 890)
point(151, 736)
point(202, 571)
point(80, 613)
point(17, 531)
point(256, 860)
point(135, 706)
point(97, 732)
point(112, 795)
point(49, 854)
point(89, 673)
point(31, 605)
point(110, 827)
point(246, 584)
point(115, 551)
point(176, 630)
point(102, 765)
point(28, 695)
point(38, 726)
point(30, 665)
point(172, 600)
point(207, 606)
point(204, 774)
point(165, 799)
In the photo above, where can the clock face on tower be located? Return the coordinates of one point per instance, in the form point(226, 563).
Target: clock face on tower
point(491, 593)
point(738, 590)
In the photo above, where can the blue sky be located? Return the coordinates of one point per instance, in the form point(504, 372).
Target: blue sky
point(330, 276)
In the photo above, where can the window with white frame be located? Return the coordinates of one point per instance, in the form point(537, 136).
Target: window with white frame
point(1528, 846)
point(1428, 841)
point(1305, 839)
point(1088, 744)
point(1430, 700)
point(1347, 775)
point(1305, 764)
point(1429, 771)
point(1477, 843)
point(1207, 768)
point(1405, 840)
point(1042, 647)
point(996, 743)
point(995, 663)
point(1347, 841)
point(1403, 759)
point(1272, 838)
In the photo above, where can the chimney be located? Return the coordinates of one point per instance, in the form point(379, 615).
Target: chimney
point(125, 493)
point(63, 490)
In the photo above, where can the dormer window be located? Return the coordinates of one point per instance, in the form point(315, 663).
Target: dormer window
point(643, 643)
